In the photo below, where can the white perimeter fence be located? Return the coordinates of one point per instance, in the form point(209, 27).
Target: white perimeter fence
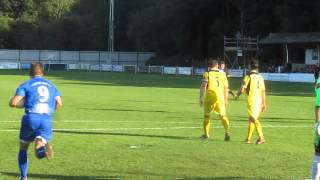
point(68, 57)
point(133, 62)
point(283, 77)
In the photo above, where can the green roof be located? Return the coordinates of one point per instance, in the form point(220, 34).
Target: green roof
point(291, 38)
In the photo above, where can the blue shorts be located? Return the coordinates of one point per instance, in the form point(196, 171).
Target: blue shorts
point(35, 126)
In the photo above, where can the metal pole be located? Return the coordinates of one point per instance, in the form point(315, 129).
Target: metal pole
point(60, 56)
point(244, 62)
point(318, 53)
point(99, 61)
point(118, 57)
point(224, 48)
point(20, 58)
point(242, 16)
point(111, 27)
point(137, 58)
point(39, 56)
point(287, 53)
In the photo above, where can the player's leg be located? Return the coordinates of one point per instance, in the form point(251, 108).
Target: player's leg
point(251, 122)
point(315, 169)
point(26, 136)
point(255, 113)
point(43, 149)
point(43, 135)
point(23, 160)
point(233, 95)
point(258, 126)
point(251, 127)
point(221, 110)
point(254, 109)
point(226, 124)
point(208, 105)
point(206, 127)
point(40, 147)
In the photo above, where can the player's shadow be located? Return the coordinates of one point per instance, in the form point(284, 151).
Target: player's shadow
point(149, 175)
point(125, 110)
point(86, 83)
point(160, 102)
point(54, 176)
point(299, 94)
point(223, 178)
point(125, 134)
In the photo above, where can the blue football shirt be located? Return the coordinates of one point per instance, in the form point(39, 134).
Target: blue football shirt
point(39, 96)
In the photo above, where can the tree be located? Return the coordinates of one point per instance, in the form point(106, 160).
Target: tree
point(57, 9)
point(174, 29)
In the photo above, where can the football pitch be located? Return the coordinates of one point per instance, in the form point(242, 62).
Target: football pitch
point(139, 126)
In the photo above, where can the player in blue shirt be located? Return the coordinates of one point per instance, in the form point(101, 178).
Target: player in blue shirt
point(40, 98)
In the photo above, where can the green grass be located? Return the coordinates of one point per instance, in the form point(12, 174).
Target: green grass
point(148, 127)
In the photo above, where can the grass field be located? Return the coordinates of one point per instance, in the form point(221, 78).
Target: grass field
point(126, 126)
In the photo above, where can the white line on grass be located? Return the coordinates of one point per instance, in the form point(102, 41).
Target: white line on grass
point(84, 121)
point(156, 128)
point(291, 92)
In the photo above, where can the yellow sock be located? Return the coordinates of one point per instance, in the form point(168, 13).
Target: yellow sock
point(251, 127)
point(259, 129)
point(206, 126)
point(226, 124)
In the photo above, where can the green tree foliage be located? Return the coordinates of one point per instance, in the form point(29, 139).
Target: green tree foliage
point(57, 9)
point(172, 28)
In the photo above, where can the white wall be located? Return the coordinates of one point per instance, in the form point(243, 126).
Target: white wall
point(311, 56)
point(289, 77)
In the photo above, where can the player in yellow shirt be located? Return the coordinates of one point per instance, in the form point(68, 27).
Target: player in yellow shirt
point(253, 85)
point(214, 98)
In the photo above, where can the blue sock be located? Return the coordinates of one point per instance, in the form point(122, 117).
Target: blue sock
point(41, 152)
point(23, 163)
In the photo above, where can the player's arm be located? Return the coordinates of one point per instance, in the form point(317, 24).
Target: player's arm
point(16, 101)
point(203, 89)
point(263, 95)
point(264, 101)
point(226, 90)
point(226, 95)
point(58, 102)
point(317, 114)
point(242, 88)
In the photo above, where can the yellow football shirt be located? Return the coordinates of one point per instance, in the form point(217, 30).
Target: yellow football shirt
point(254, 85)
point(216, 80)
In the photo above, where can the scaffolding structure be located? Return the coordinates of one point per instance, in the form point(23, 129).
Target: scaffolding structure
point(239, 49)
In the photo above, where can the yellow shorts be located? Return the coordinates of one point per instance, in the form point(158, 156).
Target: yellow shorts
point(254, 109)
point(214, 103)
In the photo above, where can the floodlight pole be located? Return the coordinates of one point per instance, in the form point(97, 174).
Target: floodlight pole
point(111, 28)
point(287, 54)
point(242, 17)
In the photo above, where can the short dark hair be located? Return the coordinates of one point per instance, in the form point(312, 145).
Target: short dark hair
point(36, 69)
point(213, 62)
point(222, 62)
point(254, 64)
